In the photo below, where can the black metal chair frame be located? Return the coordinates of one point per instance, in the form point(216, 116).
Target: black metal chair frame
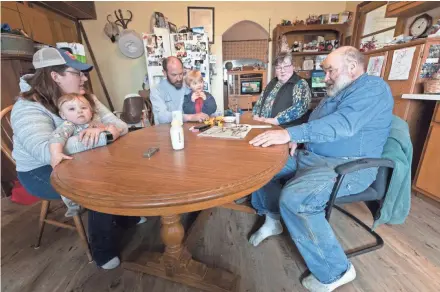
point(342, 171)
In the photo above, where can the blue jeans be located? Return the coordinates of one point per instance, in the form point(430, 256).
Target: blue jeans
point(102, 228)
point(300, 192)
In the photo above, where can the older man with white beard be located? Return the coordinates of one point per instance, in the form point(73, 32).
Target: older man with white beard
point(352, 122)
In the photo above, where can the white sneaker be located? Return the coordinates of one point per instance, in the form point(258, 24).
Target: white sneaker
point(142, 220)
point(111, 264)
point(312, 284)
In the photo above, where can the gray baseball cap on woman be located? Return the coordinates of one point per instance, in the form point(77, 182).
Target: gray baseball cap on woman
point(46, 57)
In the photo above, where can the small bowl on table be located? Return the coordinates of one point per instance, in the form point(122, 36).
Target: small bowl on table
point(229, 119)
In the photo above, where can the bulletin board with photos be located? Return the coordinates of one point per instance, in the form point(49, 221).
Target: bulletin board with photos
point(156, 47)
point(193, 50)
point(431, 64)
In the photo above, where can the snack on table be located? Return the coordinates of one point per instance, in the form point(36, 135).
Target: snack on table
point(214, 121)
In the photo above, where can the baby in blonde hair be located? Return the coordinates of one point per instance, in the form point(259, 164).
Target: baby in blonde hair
point(198, 100)
point(78, 112)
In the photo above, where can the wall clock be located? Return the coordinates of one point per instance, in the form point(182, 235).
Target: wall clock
point(420, 25)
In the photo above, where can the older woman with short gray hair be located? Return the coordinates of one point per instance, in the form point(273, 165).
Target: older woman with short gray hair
point(286, 98)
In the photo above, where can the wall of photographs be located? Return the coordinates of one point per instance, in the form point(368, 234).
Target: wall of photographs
point(432, 63)
point(157, 46)
point(193, 50)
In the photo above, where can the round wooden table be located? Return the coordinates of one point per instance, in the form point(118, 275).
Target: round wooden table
point(208, 172)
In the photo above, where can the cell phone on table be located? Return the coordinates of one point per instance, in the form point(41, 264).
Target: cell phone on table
point(202, 127)
point(150, 152)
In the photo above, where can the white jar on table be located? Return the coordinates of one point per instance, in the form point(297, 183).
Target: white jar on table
point(176, 134)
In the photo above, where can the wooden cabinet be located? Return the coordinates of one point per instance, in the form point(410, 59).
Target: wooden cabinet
point(409, 8)
point(401, 107)
point(399, 87)
point(68, 9)
point(42, 25)
point(242, 102)
point(306, 34)
point(437, 114)
point(62, 28)
point(427, 179)
point(15, 66)
point(10, 15)
point(417, 113)
point(385, 59)
point(38, 28)
point(235, 78)
point(72, 9)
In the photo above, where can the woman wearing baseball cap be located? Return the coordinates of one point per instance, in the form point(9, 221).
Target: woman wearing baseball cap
point(35, 116)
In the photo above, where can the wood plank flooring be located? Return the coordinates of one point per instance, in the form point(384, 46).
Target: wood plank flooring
point(410, 260)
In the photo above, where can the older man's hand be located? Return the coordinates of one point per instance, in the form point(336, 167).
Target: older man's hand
point(268, 138)
point(292, 146)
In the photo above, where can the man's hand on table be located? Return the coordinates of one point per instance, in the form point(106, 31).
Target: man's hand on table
point(268, 138)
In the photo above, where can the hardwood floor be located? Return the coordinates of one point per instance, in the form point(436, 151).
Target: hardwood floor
point(410, 260)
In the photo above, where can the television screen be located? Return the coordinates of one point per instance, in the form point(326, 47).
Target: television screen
point(318, 79)
point(250, 87)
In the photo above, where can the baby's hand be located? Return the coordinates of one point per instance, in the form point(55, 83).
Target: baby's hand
point(202, 95)
point(57, 158)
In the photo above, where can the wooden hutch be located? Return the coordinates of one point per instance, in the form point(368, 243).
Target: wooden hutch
point(300, 33)
point(417, 113)
point(427, 180)
point(306, 34)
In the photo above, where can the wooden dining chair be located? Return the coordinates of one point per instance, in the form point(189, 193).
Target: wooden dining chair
point(6, 144)
point(148, 105)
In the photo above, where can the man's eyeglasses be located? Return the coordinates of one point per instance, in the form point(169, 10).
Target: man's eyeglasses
point(282, 68)
point(79, 74)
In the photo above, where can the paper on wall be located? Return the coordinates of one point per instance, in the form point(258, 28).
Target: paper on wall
point(402, 61)
point(375, 65)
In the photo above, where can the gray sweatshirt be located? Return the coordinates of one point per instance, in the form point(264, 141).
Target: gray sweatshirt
point(165, 99)
point(33, 125)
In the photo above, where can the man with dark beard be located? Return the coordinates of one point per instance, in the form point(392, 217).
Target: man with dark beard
point(352, 122)
point(168, 95)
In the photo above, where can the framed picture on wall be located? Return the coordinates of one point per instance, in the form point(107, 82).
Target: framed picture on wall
point(202, 16)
